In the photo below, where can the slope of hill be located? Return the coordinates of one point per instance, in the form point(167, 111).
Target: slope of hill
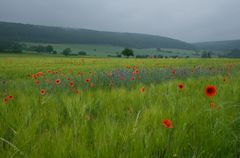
point(218, 45)
point(46, 34)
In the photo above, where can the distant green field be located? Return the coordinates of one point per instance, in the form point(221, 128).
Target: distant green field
point(67, 107)
point(105, 50)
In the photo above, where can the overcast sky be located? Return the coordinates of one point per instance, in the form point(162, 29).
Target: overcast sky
point(187, 20)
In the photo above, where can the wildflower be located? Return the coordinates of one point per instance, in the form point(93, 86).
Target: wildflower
point(39, 74)
point(167, 123)
point(134, 73)
point(5, 100)
point(49, 71)
point(34, 76)
point(142, 89)
point(9, 97)
point(37, 81)
point(71, 83)
point(181, 86)
point(210, 91)
point(42, 92)
point(87, 80)
point(58, 81)
point(132, 78)
point(174, 72)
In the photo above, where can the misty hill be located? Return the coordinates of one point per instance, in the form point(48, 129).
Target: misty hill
point(218, 45)
point(45, 34)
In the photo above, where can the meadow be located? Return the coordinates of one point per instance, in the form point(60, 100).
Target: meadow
point(126, 108)
point(105, 50)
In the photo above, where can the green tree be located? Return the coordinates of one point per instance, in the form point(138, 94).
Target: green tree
point(206, 54)
point(49, 49)
point(7, 46)
point(66, 51)
point(82, 53)
point(54, 52)
point(127, 52)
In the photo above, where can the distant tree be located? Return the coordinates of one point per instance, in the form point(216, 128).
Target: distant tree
point(49, 49)
point(235, 53)
point(206, 54)
point(40, 49)
point(118, 54)
point(54, 52)
point(66, 51)
point(127, 52)
point(82, 53)
point(14, 47)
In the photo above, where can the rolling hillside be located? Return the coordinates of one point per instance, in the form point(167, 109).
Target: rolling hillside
point(45, 34)
point(218, 45)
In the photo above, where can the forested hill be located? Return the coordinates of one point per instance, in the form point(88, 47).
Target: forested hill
point(45, 34)
point(219, 45)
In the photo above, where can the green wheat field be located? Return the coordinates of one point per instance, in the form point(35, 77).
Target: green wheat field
point(119, 108)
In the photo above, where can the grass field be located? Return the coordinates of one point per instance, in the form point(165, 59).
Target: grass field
point(104, 50)
point(106, 107)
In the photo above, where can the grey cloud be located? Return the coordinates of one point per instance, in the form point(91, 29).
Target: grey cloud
point(188, 20)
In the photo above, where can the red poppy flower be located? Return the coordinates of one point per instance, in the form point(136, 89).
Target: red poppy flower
point(49, 71)
point(134, 73)
point(5, 100)
point(167, 123)
point(34, 76)
point(71, 83)
point(88, 80)
point(9, 97)
point(42, 92)
point(58, 81)
point(37, 81)
point(132, 78)
point(142, 89)
point(39, 74)
point(181, 86)
point(210, 91)
point(174, 72)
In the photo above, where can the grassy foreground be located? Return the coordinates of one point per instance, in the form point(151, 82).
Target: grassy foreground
point(90, 119)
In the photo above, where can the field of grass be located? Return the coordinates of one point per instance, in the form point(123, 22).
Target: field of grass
point(126, 108)
point(104, 50)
